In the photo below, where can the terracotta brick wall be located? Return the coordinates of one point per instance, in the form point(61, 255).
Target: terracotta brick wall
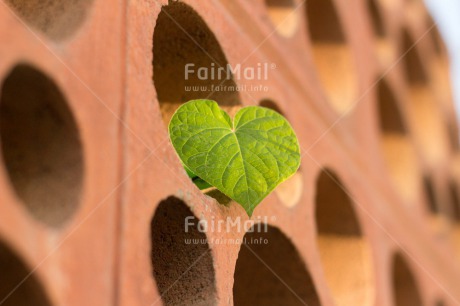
point(94, 200)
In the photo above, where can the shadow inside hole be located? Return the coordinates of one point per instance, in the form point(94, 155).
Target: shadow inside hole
point(270, 271)
point(439, 216)
point(58, 19)
point(377, 21)
point(398, 150)
point(13, 291)
point(325, 27)
point(218, 196)
point(344, 251)
point(391, 120)
point(415, 73)
point(454, 137)
point(429, 129)
point(181, 258)
point(271, 105)
point(455, 200)
point(453, 189)
point(40, 145)
point(188, 62)
point(405, 288)
point(383, 46)
point(332, 55)
point(430, 196)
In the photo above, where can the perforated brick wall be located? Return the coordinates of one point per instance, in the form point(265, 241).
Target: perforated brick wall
point(94, 199)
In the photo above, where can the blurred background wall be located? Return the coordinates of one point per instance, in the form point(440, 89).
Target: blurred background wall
point(447, 15)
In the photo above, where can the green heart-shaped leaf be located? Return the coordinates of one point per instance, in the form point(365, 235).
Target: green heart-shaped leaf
point(245, 159)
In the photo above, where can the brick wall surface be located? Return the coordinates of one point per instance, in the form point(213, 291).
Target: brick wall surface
point(93, 197)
